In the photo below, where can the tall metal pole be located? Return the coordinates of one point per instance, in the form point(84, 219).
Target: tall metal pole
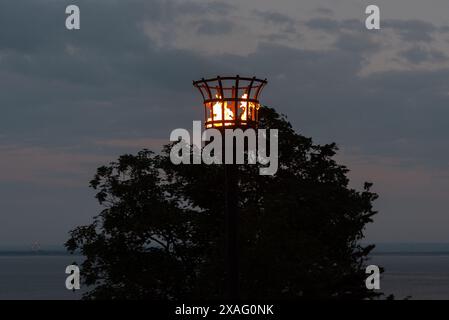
point(246, 91)
point(231, 227)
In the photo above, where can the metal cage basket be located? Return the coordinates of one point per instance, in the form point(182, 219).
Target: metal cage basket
point(231, 102)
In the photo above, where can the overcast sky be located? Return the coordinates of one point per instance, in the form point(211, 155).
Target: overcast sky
point(71, 101)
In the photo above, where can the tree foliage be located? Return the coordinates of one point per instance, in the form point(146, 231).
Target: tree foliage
point(161, 232)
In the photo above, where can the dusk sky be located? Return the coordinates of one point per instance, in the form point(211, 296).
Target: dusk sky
point(72, 101)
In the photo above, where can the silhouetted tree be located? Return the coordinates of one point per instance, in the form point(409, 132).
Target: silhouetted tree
point(161, 233)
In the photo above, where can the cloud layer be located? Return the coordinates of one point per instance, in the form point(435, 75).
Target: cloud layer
point(73, 100)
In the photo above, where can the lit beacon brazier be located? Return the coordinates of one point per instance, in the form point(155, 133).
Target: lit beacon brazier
point(231, 102)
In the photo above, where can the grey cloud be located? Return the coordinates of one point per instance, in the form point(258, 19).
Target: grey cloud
point(120, 73)
point(353, 24)
point(274, 17)
point(419, 54)
point(444, 29)
point(325, 24)
point(367, 112)
point(215, 27)
point(119, 84)
point(409, 30)
point(359, 42)
point(412, 30)
point(287, 23)
point(198, 8)
point(333, 26)
point(348, 34)
point(220, 8)
point(276, 36)
point(325, 11)
point(24, 32)
point(115, 73)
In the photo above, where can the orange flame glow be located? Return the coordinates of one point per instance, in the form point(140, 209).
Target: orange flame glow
point(219, 106)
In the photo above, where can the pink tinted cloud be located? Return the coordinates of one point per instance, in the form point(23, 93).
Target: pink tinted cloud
point(396, 175)
point(135, 143)
point(55, 166)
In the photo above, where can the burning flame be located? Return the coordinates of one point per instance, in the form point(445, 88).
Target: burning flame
point(217, 111)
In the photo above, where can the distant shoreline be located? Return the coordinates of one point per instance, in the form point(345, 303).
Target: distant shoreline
point(381, 249)
point(27, 253)
point(16, 253)
point(410, 253)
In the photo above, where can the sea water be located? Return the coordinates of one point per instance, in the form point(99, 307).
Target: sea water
point(36, 276)
point(42, 276)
